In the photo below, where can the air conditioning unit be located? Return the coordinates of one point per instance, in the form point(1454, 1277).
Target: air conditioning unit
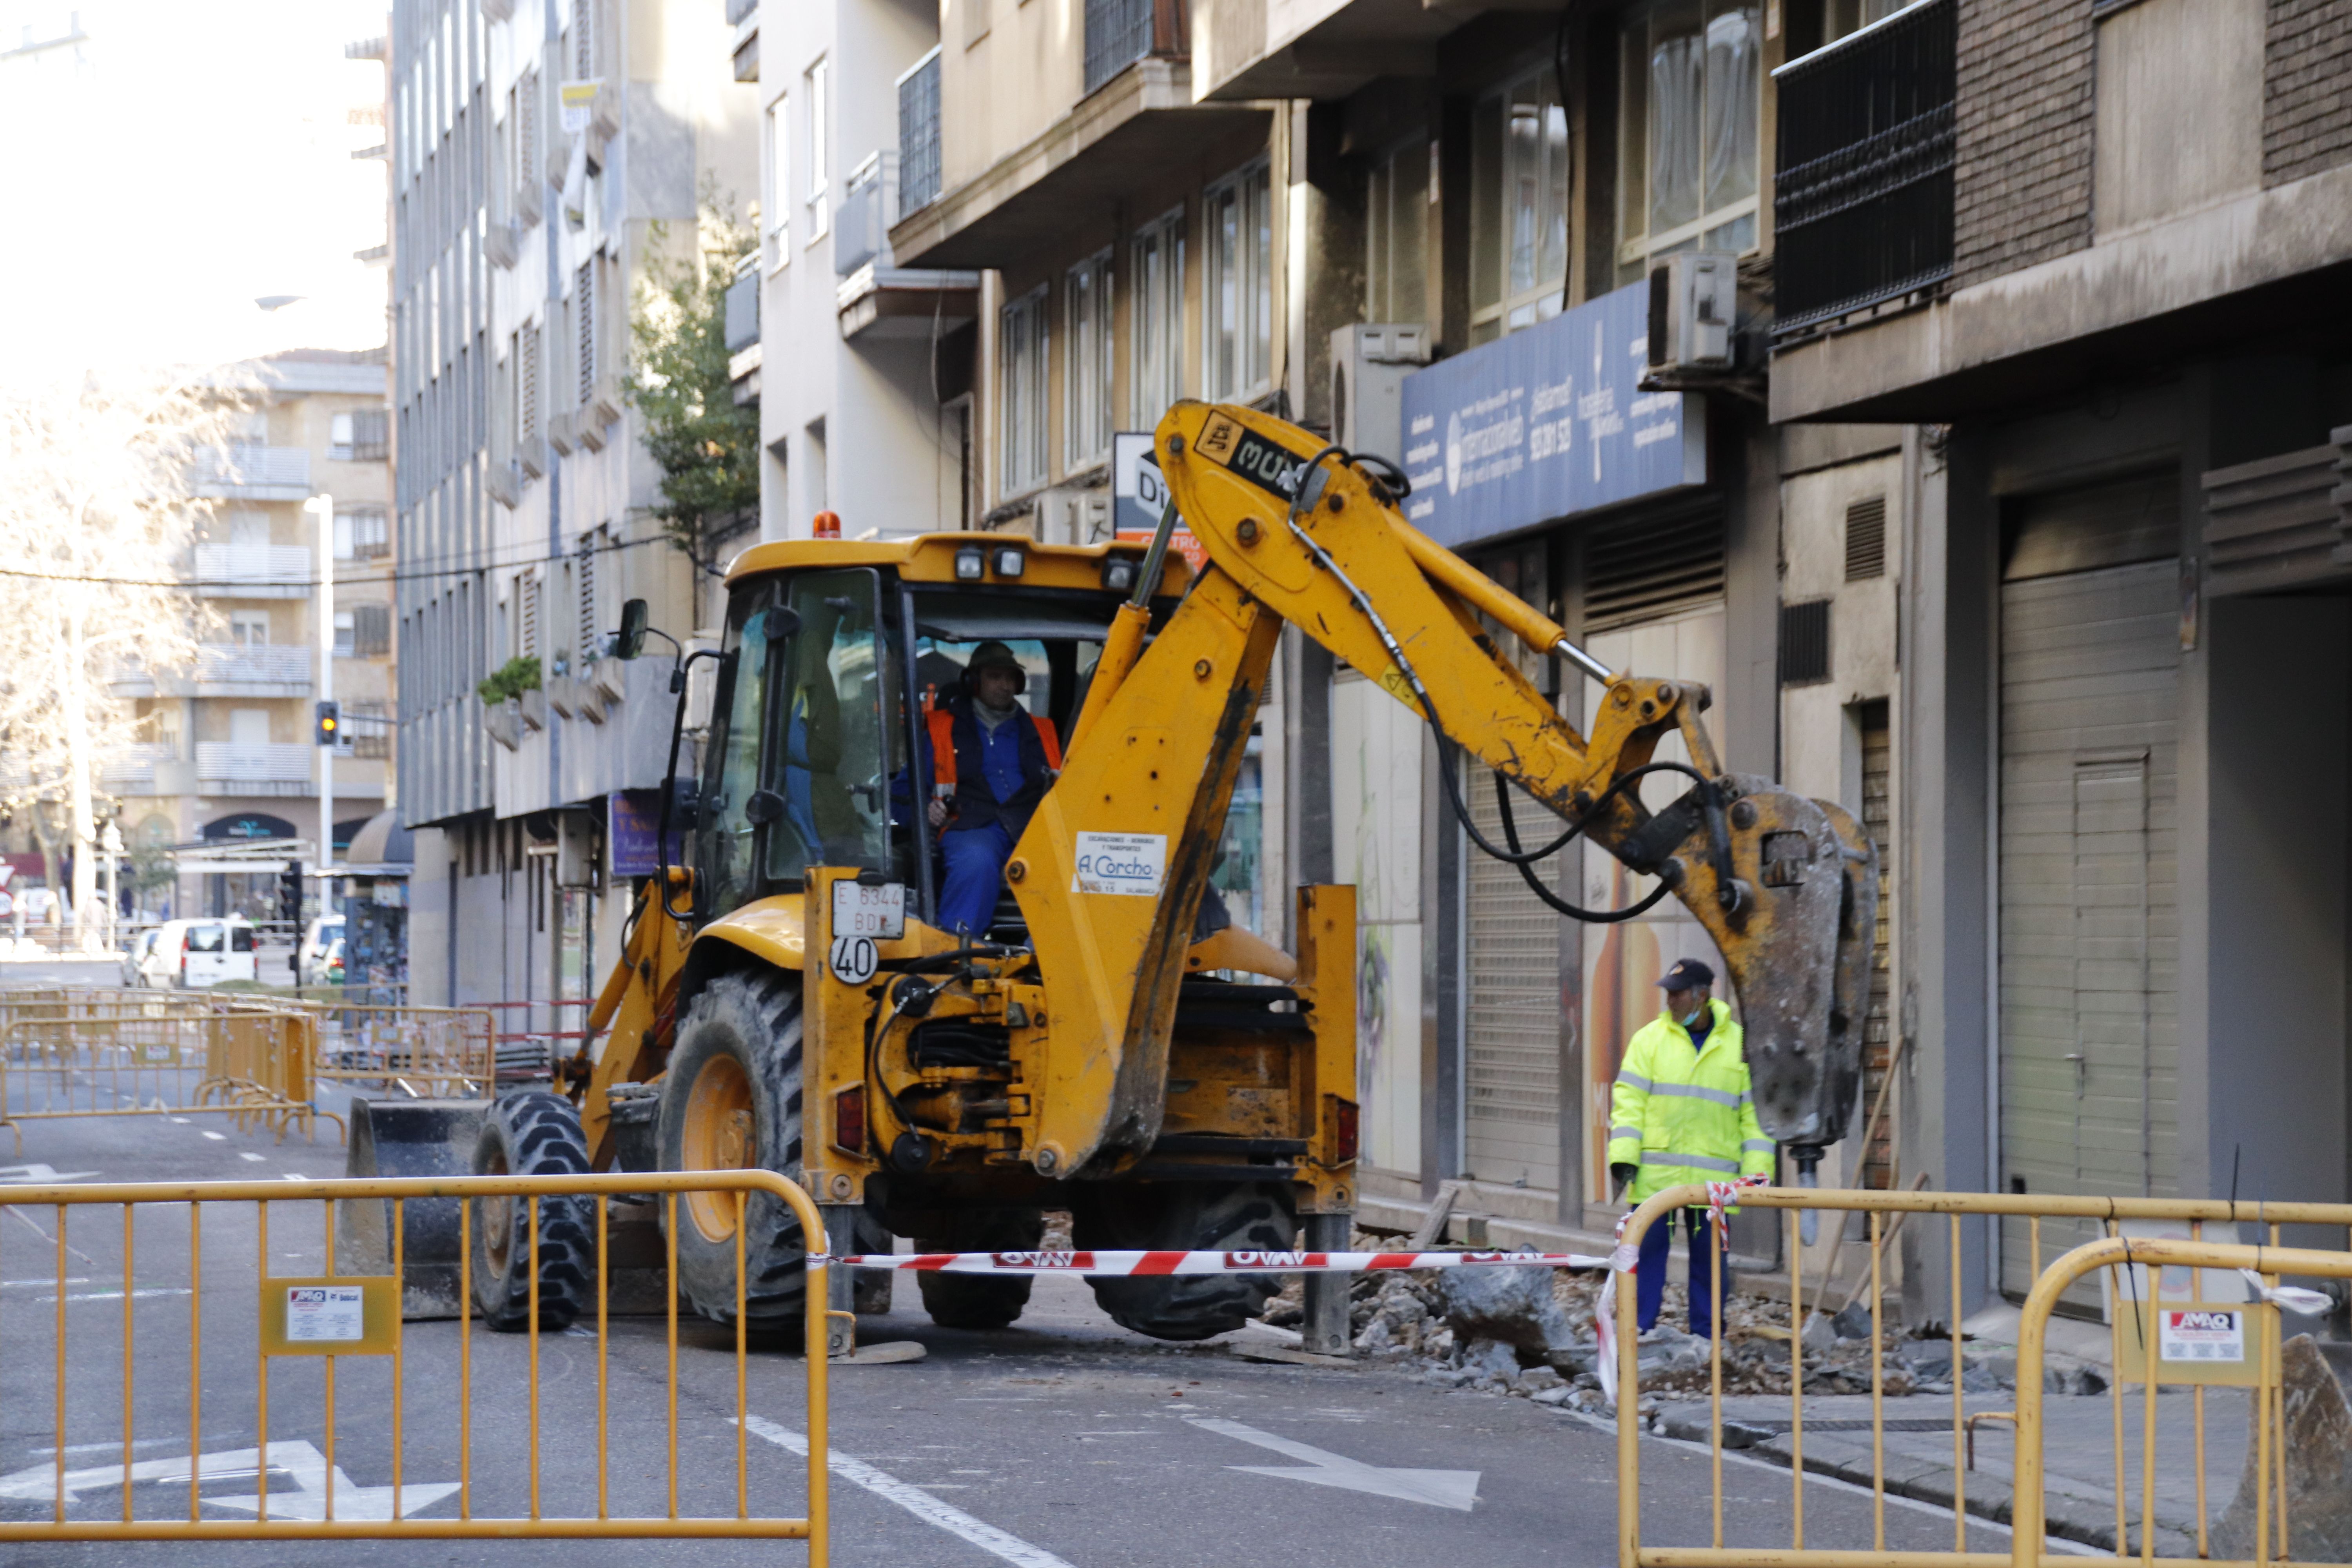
point(1694, 307)
point(1369, 364)
point(1071, 515)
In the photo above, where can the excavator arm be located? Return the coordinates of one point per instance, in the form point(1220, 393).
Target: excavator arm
point(1112, 869)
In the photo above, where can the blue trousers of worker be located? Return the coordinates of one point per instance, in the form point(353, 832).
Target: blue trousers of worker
point(1650, 1287)
point(975, 859)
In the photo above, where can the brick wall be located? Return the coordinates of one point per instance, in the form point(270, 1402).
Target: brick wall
point(2022, 187)
point(2306, 88)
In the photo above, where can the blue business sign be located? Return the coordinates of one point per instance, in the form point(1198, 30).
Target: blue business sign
point(1545, 424)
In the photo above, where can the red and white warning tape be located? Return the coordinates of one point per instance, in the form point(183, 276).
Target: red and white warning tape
point(1133, 1263)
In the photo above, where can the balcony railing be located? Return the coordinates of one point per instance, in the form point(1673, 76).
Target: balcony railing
point(1861, 209)
point(743, 306)
point(1119, 34)
point(918, 135)
point(236, 761)
point(266, 571)
point(228, 664)
point(255, 471)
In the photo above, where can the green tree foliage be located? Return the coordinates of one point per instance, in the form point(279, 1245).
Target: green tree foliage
point(707, 444)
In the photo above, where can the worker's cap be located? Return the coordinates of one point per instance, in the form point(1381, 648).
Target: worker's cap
point(1687, 974)
point(994, 656)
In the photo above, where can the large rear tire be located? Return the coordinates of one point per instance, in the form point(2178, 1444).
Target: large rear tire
point(980, 1301)
point(1191, 1217)
point(534, 1133)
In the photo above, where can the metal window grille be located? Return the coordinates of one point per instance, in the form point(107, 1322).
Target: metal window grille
point(585, 575)
point(919, 135)
point(1805, 643)
point(1119, 34)
point(528, 635)
point(1861, 208)
point(583, 39)
point(1865, 539)
point(584, 307)
point(370, 630)
point(530, 348)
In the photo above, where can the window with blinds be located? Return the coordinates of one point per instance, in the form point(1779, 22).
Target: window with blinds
point(527, 385)
point(1641, 571)
point(583, 574)
point(371, 631)
point(527, 616)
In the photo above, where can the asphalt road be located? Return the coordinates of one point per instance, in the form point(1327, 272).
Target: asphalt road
point(1064, 1440)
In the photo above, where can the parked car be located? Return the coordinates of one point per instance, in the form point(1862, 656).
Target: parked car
point(196, 955)
point(325, 931)
point(135, 958)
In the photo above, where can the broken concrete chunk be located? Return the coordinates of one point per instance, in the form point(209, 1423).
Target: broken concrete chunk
point(1515, 1306)
point(2319, 1467)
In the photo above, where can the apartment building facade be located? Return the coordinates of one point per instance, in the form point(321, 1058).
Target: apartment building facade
point(228, 756)
point(2099, 279)
point(546, 153)
point(1431, 231)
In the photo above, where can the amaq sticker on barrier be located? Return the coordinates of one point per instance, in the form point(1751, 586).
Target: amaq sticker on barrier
point(1132, 863)
point(319, 1313)
point(347, 1314)
point(2200, 1336)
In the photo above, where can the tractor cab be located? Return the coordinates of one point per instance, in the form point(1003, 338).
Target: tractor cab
point(838, 661)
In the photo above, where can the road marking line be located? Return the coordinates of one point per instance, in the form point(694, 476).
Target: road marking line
point(914, 1499)
point(1456, 1490)
point(249, 1154)
point(215, 1137)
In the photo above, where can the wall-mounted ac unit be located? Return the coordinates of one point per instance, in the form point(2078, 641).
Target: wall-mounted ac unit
point(1693, 306)
point(1369, 364)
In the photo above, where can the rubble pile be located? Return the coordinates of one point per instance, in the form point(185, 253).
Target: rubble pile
point(1529, 1333)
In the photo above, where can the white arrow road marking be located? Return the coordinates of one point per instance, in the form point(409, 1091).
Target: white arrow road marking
point(914, 1499)
point(1440, 1488)
point(38, 1175)
point(299, 1461)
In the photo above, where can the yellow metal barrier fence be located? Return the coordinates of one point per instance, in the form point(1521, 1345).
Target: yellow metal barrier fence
point(456, 1421)
point(2139, 1351)
point(426, 1052)
point(251, 1063)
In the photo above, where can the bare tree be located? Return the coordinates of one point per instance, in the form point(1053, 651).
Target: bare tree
point(97, 507)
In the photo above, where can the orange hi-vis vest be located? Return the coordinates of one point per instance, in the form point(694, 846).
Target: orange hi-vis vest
point(941, 721)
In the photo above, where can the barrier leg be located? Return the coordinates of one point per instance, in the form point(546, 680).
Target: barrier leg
point(840, 1284)
point(1324, 1329)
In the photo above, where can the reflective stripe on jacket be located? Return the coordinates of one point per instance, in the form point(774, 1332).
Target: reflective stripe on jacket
point(1683, 1115)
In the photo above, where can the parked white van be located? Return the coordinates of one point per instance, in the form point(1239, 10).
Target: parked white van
point(195, 954)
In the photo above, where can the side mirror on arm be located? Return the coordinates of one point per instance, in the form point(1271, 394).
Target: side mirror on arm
point(630, 640)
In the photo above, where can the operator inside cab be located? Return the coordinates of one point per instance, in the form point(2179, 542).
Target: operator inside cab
point(991, 762)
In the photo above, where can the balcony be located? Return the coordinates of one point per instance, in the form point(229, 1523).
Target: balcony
point(1322, 50)
point(253, 571)
point(230, 669)
point(251, 471)
point(1862, 205)
point(148, 769)
point(1119, 34)
point(233, 767)
point(1095, 116)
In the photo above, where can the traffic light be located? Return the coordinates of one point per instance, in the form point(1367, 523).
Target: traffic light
point(290, 894)
point(330, 723)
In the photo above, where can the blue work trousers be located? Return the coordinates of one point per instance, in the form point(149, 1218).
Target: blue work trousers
point(1649, 1288)
point(975, 859)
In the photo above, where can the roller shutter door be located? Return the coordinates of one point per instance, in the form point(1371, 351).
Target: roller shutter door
point(2088, 920)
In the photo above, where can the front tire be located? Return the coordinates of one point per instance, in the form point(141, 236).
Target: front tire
point(980, 1301)
point(1190, 1216)
point(532, 1134)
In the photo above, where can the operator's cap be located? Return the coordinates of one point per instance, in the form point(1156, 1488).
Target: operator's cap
point(1687, 974)
point(993, 655)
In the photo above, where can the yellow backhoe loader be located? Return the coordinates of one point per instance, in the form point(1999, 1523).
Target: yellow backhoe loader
point(1111, 1044)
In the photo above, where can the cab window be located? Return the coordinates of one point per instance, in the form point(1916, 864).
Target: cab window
point(827, 734)
point(203, 939)
point(724, 828)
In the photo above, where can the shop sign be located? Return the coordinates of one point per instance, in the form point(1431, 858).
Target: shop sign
point(1545, 424)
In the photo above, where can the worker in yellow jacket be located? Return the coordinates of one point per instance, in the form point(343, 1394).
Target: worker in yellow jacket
point(1682, 1110)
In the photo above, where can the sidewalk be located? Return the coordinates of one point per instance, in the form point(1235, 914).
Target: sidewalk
point(2079, 1453)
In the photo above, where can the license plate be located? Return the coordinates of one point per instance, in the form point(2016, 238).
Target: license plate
point(876, 912)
